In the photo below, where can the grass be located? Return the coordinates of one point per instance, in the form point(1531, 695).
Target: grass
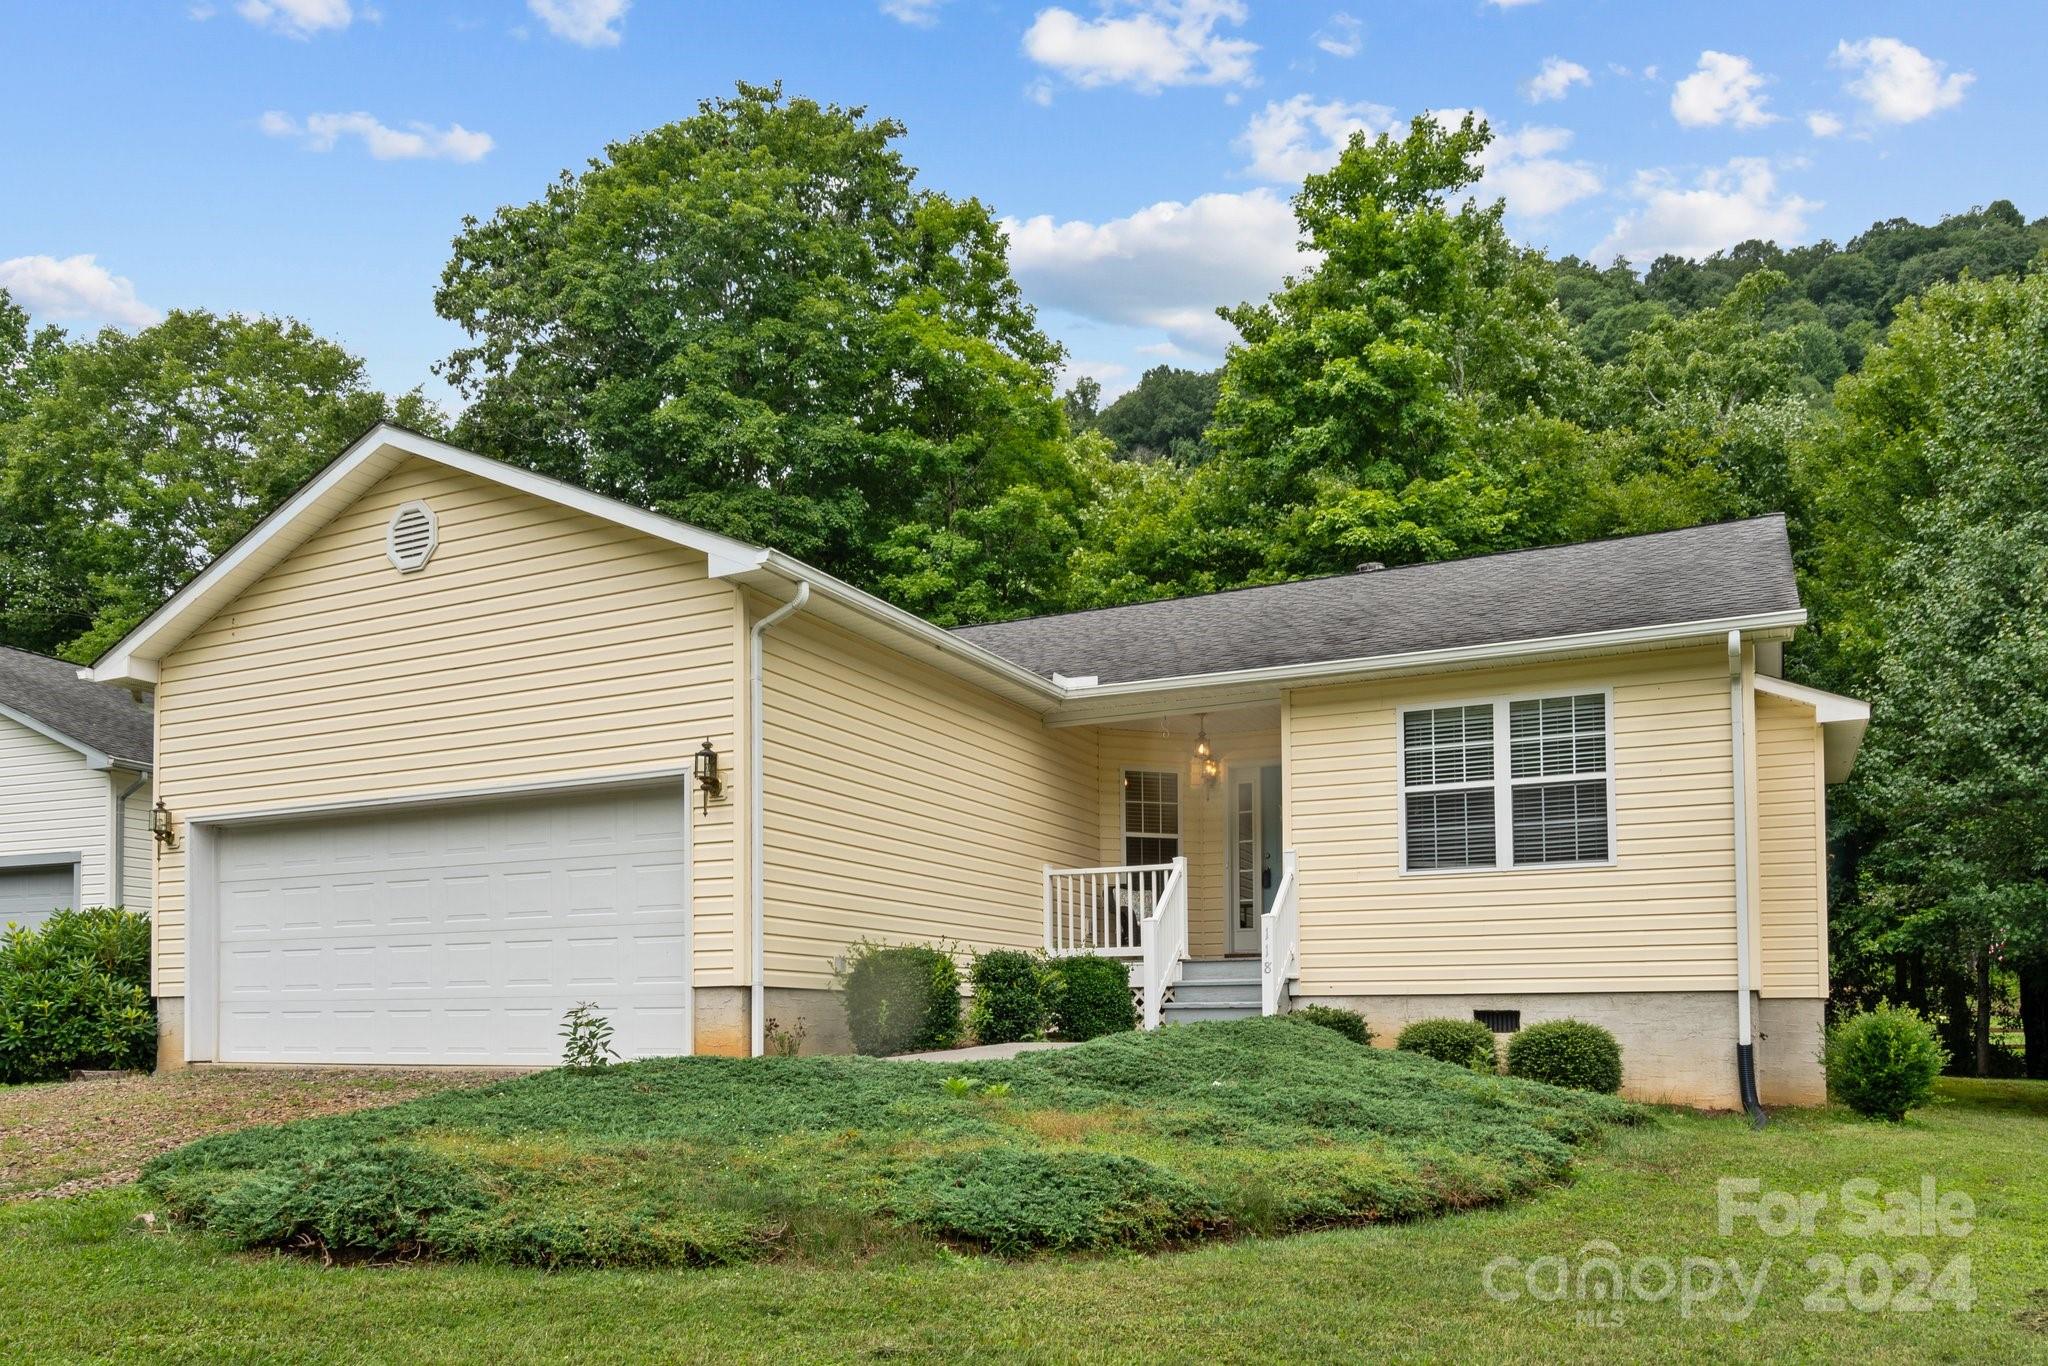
point(87, 1278)
point(63, 1138)
point(1136, 1141)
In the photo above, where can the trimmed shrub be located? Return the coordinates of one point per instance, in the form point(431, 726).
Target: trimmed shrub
point(1349, 1023)
point(900, 998)
point(1883, 1062)
point(1091, 996)
point(378, 1203)
point(74, 993)
point(1009, 996)
point(1570, 1053)
point(1461, 1043)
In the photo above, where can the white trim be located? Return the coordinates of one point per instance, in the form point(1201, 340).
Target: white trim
point(1260, 683)
point(94, 758)
point(133, 658)
point(1503, 782)
point(369, 805)
point(1739, 769)
point(1842, 721)
point(202, 879)
point(1248, 774)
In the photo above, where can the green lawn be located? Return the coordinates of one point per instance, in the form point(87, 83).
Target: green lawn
point(84, 1277)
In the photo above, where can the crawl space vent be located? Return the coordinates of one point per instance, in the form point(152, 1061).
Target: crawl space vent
point(410, 539)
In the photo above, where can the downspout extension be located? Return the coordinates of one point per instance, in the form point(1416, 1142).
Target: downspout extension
point(117, 848)
point(1745, 1045)
point(757, 877)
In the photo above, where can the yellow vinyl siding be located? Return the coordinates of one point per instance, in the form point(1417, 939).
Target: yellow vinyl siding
point(537, 644)
point(1202, 814)
point(903, 804)
point(1791, 850)
point(1661, 917)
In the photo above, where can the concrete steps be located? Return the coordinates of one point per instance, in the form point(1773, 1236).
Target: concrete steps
point(1214, 989)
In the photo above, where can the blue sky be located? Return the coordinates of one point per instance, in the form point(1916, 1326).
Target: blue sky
point(314, 157)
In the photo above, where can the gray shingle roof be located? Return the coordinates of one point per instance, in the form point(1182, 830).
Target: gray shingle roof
point(1706, 573)
point(95, 714)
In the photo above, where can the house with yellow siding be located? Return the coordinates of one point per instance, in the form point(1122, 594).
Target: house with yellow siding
point(446, 747)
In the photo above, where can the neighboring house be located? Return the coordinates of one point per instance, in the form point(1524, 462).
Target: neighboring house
point(434, 738)
point(74, 791)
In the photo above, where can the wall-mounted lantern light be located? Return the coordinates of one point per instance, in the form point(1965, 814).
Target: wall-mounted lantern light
point(705, 766)
point(162, 825)
point(1205, 757)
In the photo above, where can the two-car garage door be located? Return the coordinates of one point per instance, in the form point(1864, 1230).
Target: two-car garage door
point(453, 933)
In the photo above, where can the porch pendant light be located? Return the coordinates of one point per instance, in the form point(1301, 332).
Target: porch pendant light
point(1204, 755)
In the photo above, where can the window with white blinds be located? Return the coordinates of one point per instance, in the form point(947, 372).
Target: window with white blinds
point(1151, 817)
point(1521, 782)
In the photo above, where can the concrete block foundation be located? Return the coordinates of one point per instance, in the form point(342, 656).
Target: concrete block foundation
point(1677, 1047)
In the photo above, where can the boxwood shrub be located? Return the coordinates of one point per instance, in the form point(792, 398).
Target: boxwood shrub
point(74, 993)
point(1461, 1043)
point(1883, 1062)
point(1570, 1053)
point(1009, 996)
point(900, 998)
point(1091, 996)
point(1349, 1023)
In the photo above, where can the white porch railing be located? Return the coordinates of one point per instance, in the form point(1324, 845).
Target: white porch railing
point(1280, 938)
point(1100, 910)
point(1164, 935)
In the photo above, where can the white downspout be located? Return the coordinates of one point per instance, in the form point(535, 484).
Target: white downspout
point(757, 876)
point(117, 849)
point(1745, 1050)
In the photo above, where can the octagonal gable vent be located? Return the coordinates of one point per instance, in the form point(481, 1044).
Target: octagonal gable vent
point(410, 539)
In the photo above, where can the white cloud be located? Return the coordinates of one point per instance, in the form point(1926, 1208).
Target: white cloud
point(1522, 168)
point(917, 13)
point(1509, 4)
point(1899, 83)
point(1344, 36)
point(415, 142)
point(295, 18)
point(1724, 205)
point(1165, 267)
point(586, 23)
point(1145, 44)
point(75, 289)
point(1554, 80)
point(1039, 92)
point(1290, 139)
point(1822, 124)
point(1724, 89)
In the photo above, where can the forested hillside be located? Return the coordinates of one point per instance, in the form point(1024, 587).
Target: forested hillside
point(758, 320)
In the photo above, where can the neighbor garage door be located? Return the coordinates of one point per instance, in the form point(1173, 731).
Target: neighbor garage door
point(453, 934)
point(29, 894)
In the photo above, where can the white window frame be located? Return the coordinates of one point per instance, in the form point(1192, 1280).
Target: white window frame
point(1180, 815)
point(1504, 783)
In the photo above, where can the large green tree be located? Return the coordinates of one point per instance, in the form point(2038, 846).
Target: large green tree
point(132, 460)
point(756, 320)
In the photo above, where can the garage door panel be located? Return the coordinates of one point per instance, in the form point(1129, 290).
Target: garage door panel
point(456, 934)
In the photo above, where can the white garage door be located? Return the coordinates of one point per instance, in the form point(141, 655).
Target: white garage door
point(28, 895)
point(453, 934)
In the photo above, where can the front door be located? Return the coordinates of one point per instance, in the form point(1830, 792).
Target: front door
point(1252, 842)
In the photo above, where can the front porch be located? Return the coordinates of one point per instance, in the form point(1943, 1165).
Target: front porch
point(1194, 888)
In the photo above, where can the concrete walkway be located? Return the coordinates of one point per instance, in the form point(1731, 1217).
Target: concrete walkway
point(990, 1052)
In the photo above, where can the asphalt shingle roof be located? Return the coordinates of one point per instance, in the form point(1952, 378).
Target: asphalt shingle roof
point(1706, 573)
point(96, 714)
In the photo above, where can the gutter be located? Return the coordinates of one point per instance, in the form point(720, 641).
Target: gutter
point(757, 877)
point(1745, 1046)
point(117, 846)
